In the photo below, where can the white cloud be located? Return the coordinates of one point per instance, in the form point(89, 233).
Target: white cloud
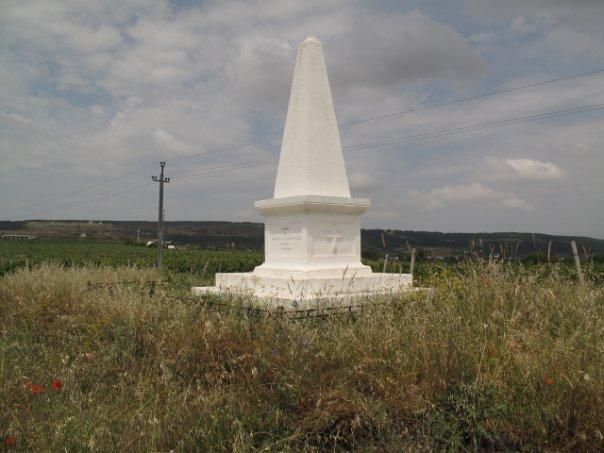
point(170, 143)
point(516, 203)
point(506, 169)
point(474, 192)
point(129, 106)
point(15, 117)
point(534, 169)
point(477, 194)
point(362, 181)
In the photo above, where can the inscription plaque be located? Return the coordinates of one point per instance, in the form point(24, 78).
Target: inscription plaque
point(285, 239)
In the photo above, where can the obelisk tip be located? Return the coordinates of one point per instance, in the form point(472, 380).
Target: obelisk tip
point(311, 160)
point(311, 39)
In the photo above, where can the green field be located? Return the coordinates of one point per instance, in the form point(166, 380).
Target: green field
point(188, 264)
point(73, 253)
point(194, 266)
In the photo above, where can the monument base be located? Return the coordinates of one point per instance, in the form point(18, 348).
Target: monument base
point(304, 291)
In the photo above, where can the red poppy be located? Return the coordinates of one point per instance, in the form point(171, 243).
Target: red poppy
point(35, 389)
point(9, 441)
point(549, 381)
point(56, 385)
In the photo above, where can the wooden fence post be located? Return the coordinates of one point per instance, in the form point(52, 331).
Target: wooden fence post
point(412, 265)
point(385, 264)
point(586, 250)
point(573, 245)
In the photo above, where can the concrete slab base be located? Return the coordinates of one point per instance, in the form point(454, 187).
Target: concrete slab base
point(301, 292)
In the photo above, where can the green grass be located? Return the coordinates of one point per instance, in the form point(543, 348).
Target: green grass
point(497, 357)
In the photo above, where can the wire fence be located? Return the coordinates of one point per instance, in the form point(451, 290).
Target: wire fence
point(150, 285)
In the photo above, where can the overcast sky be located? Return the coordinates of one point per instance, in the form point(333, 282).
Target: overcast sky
point(90, 91)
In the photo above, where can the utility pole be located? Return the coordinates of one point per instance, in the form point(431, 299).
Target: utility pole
point(160, 217)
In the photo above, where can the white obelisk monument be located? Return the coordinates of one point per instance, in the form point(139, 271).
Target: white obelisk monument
point(312, 234)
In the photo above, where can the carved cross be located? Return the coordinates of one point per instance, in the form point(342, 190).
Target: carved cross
point(334, 241)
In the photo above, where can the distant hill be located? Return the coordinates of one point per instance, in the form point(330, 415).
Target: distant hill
point(455, 244)
point(250, 236)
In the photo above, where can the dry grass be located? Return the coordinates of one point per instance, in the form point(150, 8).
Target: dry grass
point(495, 359)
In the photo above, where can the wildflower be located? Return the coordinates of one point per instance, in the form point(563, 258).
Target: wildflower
point(56, 385)
point(10, 440)
point(549, 381)
point(35, 389)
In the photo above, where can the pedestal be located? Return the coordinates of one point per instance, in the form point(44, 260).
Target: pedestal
point(312, 253)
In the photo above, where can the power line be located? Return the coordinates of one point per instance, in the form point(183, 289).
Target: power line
point(115, 192)
point(128, 187)
point(399, 113)
point(269, 140)
point(360, 146)
point(84, 189)
point(221, 150)
point(417, 137)
point(100, 196)
point(218, 167)
point(479, 126)
point(472, 98)
point(224, 170)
